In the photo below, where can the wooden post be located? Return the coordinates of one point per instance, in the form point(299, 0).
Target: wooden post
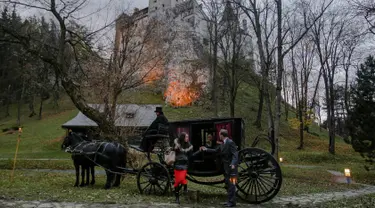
point(15, 155)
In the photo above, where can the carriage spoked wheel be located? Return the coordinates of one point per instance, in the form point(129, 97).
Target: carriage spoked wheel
point(263, 142)
point(153, 178)
point(259, 176)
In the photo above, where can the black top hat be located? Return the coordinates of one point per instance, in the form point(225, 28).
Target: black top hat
point(159, 109)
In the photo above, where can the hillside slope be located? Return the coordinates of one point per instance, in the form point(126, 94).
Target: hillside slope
point(42, 138)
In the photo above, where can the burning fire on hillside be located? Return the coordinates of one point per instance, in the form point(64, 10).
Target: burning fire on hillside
point(178, 94)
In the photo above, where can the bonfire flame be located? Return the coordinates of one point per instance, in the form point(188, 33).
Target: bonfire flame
point(178, 95)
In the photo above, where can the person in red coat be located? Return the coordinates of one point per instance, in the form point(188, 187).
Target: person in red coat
point(183, 148)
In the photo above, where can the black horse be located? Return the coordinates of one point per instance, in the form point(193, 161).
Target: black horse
point(87, 166)
point(109, 155)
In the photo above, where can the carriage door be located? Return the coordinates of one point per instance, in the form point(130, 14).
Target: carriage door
point(228, 125)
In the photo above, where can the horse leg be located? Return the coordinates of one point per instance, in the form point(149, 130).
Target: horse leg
point(76, 166)
point(122, 164)
point(83, 176)
point(87, 175)
point(92, 168)
point(117, 180)
point(149, 156)
point(109, 180)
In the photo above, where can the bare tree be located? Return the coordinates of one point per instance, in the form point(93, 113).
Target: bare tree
point(328, 33)
point(263, 25)
point(307, 25)
point(302, 57)
point(365, 9)
point(213, 16)
point(126, 69)
point(278, 41)
point(232, 45)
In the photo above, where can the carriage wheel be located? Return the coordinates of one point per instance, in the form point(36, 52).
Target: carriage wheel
point(153, 178)
point(259, 176)
point(262, 141)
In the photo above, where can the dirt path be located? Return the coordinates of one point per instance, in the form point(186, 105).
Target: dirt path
point(310, 199)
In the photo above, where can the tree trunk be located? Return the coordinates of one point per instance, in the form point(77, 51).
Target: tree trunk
point(271, 124)
point(20, 103)
point(40, 109)
point(214, 73)
point(301, 125)
point(280, 70)
point(258, 121)
point(305, 107)
point(56, 98)
point(7, 104)
point(31, 106)
point(263, 90)
point(233, 86)
point(286, 104)
point(77, 98)
point(232, 105)
point(331, 119)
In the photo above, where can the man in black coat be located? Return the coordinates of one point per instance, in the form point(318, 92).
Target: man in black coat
point(153, 129)
point(229, 155)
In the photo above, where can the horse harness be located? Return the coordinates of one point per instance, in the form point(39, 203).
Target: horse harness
point(78, 150)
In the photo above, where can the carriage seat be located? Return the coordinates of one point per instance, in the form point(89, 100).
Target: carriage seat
point(161, 132)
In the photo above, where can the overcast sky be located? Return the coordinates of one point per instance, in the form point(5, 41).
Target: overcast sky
point(95, 14)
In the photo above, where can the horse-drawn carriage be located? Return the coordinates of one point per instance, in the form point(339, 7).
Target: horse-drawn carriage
point(259, 174)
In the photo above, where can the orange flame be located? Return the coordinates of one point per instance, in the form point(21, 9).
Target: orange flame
point(179, 95)
point(153, 76)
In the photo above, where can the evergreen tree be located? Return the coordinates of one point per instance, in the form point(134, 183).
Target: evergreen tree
point(362, 112)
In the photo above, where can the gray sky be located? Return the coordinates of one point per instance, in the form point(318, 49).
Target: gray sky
point(95, 14)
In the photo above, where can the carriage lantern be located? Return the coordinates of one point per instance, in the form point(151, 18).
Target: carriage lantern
point(233, 177)
point(347, 172)
point(281, 159)
point(347, 175)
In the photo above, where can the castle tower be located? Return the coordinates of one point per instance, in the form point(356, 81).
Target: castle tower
point(157, 5)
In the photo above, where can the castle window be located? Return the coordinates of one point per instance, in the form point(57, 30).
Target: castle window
point(155, 1)
point(156, 8)
point(129, 115)
point(163, 5)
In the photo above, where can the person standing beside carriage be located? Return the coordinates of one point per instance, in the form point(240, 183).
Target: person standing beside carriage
point(229, 155)
point(183, 148)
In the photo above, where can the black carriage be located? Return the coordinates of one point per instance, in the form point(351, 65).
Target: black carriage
point(259, 174)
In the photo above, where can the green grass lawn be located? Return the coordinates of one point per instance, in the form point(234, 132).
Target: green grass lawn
point(30, 185)
point(357, 202)
point(39, 139)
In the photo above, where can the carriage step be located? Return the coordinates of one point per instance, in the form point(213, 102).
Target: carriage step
point(137, 148)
